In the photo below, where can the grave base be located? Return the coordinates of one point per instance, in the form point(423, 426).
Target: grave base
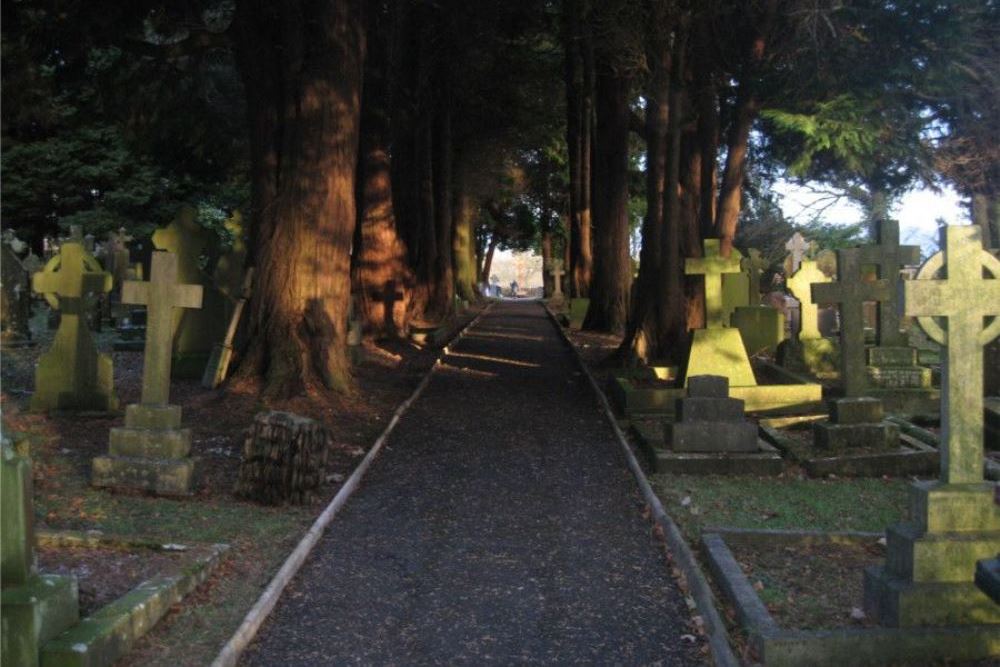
point(816, 356)
point(898, 603)
point(909, 403)
point(161, 476)
point(34, 613)
point(765, 462)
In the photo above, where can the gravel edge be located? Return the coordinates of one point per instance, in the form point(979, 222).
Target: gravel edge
point(245, 633)
point(715, 628)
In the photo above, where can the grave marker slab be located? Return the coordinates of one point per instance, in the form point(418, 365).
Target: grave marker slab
point(151, 452)
point(73, 375)
point(931, 561)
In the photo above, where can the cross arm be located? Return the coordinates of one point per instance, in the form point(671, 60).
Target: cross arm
point(135, 292)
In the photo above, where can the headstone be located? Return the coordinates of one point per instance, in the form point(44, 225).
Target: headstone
point(709, 421)
point(33, 608)
point(927, 579)
point(735, 289)
point(717, 349)
point(796, 247)
point(73, 375)
point(855, 423)
point(151, 452)
point(761, 327)
point(556, 300)
point(218, 364)
point(850, 293)
point(15, 299)
point(195, 331)
point(578, 311)
point(808, 349)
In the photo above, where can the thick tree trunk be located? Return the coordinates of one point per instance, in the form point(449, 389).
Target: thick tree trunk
point(381, 275)
point(302, 66)
point(463, 239)
point(731, 190)
point(488, 259)
point(612, 277)
point(584, 270)
point(444, 275)
point(547, 284)
point(578, 148)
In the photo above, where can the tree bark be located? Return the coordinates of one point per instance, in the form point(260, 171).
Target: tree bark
point(609, 289)
point(382, 278)
point(731, 190)
point(463, 238)
point(302, 67)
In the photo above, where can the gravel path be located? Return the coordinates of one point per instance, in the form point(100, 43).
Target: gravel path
point(500, 525)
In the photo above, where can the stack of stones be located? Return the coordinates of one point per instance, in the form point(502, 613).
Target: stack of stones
point(709, 421)
point(856, 423)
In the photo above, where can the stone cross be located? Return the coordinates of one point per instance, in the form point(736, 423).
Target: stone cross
point(800, 285)
point(753, 264)
point(850, 293)
point(161, 295)
point(889, 257)
point(797, 247)
point(72, 375)
point(17, 562)
point(966, 299)
point(712, 266)
point(187, 240)
point(557, 273)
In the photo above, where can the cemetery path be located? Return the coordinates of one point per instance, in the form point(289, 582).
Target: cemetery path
point(499, 525)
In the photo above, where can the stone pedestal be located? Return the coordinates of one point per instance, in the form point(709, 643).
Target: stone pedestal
point(151, 453)
point(856, 423)
point(709, 421)
point(720, 351)
point(761, 327)
point(928, 577)
point(896, 368)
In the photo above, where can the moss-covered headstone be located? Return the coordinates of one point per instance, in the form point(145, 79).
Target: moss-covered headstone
point(931, 561)
point(807, 349)
point(850, 293)
point(33, 607)
point(73, 375)
point(717, 349)
point(761, 327)
point(151, 452)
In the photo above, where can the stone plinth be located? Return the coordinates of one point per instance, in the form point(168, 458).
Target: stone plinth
point(720, 352)
point(150, 453)
point(761, 327)
point(895, 367)
point(856, 423)
point(710, 421)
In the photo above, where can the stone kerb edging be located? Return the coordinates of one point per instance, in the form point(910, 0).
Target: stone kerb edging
point(231, 652)
point(715, 628)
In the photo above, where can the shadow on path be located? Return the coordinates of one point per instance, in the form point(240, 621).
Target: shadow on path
point(500, 525)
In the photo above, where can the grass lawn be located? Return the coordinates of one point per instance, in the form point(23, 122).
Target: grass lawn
point(697, 502)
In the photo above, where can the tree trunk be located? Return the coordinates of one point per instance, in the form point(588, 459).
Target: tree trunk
point(547, 284)
point(609, 289)
point(731, 190)
point(488, 259)
point(302, 68)
point(583, 273)
point(578, 147)
point(463, 241)
point(444, 280)
point(381, 275)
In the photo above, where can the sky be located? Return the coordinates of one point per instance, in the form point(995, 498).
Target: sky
point(917, 211)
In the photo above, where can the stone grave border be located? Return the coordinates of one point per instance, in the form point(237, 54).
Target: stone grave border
point(698, 586)
point(111, 631)
point(990, 468)
point(230, 654)
point(913, 457)
point(778, 647)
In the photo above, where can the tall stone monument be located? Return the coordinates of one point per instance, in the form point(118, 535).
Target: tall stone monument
point(151, 452)
point(927, 579)
point(34, 608)
point(807, 349)
point(850, 293)
point(73, 375)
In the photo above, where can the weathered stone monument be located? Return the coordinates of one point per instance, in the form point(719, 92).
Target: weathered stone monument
point(195, 331)
point(717, 349)
point(708, 420)
point(152, 451)
point(761, 327)
point(807, 349)
point(850, 293)
point(892, 362)
point(15, 299)
point(556, 299)
point(855, 423)
point(73, 375)
point(34, 607)
point(927, 579)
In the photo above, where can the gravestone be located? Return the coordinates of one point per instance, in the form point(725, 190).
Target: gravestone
point(927, 579)
point(33, 608)
point(218, 364)
point(195, 331)
point(15, 299)
point(578, 307)
point(808, 349)
point(797, 246)
point(151, 452)
point(717, 349)
point(850, 293)
point(735, 289)
point(708, 420)
point(73, 375)
point(855, 423)
point(761, 327)
point(556, 300)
